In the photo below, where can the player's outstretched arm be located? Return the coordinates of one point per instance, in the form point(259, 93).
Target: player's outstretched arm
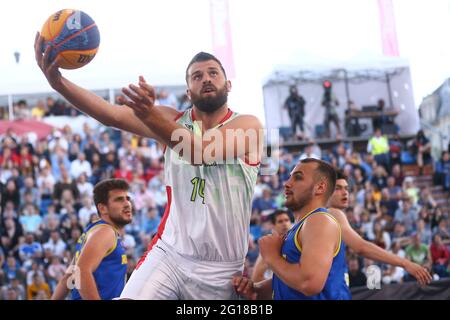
point(370, 250)
point(61, 289)
point(87, 102)
point(259, 269)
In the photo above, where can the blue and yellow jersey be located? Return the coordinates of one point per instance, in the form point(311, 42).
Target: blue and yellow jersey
point(335, 286)
point(110, 275)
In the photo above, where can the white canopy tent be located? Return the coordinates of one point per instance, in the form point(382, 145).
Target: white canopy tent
point(363, 80)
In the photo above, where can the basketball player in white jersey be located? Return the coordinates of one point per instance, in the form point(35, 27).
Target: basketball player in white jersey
point(203, 237)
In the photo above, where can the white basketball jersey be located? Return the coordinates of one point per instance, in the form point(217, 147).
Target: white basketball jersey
point(209, 206)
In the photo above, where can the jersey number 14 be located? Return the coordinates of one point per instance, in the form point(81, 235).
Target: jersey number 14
point(198, 189)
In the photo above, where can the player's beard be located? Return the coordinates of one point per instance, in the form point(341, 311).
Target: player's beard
point(297, 204)
point(210, 104)
point(119, 220)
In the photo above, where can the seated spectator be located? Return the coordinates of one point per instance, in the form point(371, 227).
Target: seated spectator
point(426, 199)
point(11, 294)
point(39, 110)
point(407, 215)
point(55, 244)
point(352, 218)
point(266, 202)
point(58, 143)
point(70, 221)
point(80, 166)
point(275, 184)
point(382, 238)
point(143, 197)
point(395, 150)
point(367, 226)
point(30, 250)
point(411, 191)
point(56, 271)
point(45, 183)
point(10, 235)
point(420, 147)
point(436, 216)
point(35, 268)
point(399, 234)
point(440, 255)
point(283, 173)
point(66, 183)
point(356, 277)
point(442, 171)
point(85, 188)
point(12, 270)
point(29, 188)
point(398, 175)
point(31, 220)
point(255, 226)
point(97, 171)
point(52, 224)
point(38, 289)
point(71, 242)
point(379, 177)
point(419, 253)
point(16, 287)
point(150, 221)
point(24, 154)
point(11, 193)
point(9, 154)
point(28, 202)
point(424, 230)
point(359, 177)
point(55, 108)
point(388, 202)
point(341, 152)
point(443, 230)
point(394, 274)
point(85, 212)
point(124, 171)
point(74, 151)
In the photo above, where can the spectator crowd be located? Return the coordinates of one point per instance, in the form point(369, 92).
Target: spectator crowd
point(46, 201)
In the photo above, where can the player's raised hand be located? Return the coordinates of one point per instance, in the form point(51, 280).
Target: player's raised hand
point(270, 246)
point(140, 98)
point(50, 69)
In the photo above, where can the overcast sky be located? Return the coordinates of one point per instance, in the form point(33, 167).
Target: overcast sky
point(158, 38)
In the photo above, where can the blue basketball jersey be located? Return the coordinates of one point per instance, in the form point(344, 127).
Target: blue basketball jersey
point(335, 287)
point(110, 275)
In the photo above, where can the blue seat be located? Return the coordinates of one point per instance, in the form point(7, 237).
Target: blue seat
point(407, 158)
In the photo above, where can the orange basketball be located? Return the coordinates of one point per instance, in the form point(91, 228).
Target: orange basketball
point(73, 37)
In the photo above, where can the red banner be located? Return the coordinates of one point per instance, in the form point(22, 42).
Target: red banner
point(388, 29)
point(221, 35)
